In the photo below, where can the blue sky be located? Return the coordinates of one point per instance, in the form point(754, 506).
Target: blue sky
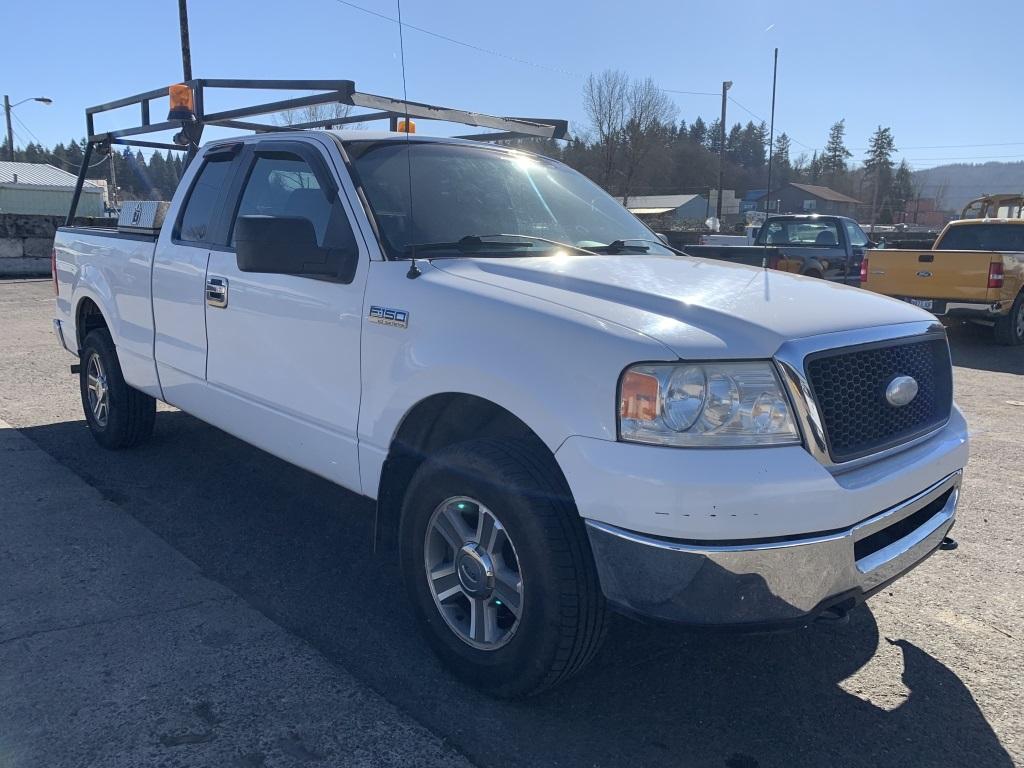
point(940, 74)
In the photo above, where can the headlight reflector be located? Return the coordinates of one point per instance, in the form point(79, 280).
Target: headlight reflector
point(684, 397)
point(705, 404)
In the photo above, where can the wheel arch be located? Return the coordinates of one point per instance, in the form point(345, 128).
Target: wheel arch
point(88, 317)
point(813, 268)
point(434, 423)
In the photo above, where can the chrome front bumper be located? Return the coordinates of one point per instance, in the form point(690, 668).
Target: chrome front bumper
point(770, 582)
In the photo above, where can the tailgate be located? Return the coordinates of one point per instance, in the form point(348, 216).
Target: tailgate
point(954, 275)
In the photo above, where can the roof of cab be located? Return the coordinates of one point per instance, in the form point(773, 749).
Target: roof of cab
point(962, 222)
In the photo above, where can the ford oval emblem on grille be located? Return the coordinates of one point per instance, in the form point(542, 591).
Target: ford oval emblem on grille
point(901, 391)
point(924, 273)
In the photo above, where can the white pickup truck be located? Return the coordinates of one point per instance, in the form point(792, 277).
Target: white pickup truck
point(555, 413)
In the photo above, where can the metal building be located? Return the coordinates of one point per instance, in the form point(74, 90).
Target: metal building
point(40, 188)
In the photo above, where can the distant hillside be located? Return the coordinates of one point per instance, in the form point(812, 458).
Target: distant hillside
point(958, 183)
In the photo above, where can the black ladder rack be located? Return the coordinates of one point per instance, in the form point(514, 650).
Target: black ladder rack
point(326, 92)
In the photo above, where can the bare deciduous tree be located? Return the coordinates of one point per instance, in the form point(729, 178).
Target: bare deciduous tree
point(312, 112)
point(649, 110)
point(605, 98)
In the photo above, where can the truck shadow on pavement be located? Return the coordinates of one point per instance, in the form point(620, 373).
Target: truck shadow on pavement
point(299, 549)
point(972, 346)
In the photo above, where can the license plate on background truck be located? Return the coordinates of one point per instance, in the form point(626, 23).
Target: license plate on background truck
point(922, 303)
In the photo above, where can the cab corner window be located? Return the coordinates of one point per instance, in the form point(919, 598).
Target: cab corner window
point(201, 207)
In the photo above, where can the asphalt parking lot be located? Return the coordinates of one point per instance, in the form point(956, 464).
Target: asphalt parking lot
point(929, 673)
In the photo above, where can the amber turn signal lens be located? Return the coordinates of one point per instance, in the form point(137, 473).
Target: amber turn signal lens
point(638, 397)
point(406, 126)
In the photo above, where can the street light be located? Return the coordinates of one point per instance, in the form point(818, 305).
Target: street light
point(7, 113)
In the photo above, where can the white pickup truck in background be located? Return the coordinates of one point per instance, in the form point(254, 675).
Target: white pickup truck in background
point(555, 412)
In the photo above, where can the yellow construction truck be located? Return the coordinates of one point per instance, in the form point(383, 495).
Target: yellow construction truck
point(974, 272)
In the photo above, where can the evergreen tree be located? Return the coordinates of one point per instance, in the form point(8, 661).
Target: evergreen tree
point(902, 190)
point(699, 132)
point(878, 166)
point(782, 169)
point(833, 160)
point(815, 169)
point(734, 144)
point(713, 136)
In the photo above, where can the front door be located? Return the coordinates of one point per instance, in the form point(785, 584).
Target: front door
point(283, 349)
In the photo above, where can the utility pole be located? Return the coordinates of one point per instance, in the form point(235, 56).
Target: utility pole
point(7, 113)
point(10, 129)
point(186, 51)
point(721, 150)
point(112, 196)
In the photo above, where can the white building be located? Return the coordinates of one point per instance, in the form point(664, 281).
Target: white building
point(40, 188)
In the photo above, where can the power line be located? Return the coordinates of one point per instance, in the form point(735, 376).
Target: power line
point(22, 124)
point(492, 52)
point(761, 119)
point(955, 146)
point(537, 65)
point(65, 163)
point(463, 43)
point(965, 157)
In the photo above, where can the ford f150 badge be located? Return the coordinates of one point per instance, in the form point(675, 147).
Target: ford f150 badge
point(901, 391)
point(396, 318)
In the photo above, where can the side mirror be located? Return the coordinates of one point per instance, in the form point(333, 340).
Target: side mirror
point(663, 237)
point(286, 245)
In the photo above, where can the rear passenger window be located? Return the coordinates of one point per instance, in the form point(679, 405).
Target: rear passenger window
point(855, 234)
point(197, 219)
point(285, 185)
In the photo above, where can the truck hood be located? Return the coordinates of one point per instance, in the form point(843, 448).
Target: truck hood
point(698, 308)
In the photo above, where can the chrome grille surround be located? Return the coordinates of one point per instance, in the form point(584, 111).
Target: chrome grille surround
point(791, 358)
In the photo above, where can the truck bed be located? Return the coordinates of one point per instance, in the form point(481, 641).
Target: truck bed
point(754, 255)
point(114, 269)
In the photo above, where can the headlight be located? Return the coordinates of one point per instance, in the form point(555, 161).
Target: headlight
point(705, 404)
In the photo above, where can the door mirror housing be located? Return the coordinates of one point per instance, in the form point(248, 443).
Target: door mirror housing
point(287, 245)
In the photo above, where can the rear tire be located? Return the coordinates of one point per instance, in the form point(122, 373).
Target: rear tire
point(561, 610)
point(1009, 329)
point(118, 415)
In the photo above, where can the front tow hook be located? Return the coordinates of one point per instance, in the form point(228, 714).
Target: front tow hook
point(948, 544)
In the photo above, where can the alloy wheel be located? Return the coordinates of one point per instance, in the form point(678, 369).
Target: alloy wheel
point(473, 572)
point(98, 390)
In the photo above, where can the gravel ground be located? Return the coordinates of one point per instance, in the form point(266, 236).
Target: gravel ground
point(928, 673)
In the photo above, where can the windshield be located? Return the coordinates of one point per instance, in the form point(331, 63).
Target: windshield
point(983, 237)
point(798, 232)
point(464, 193)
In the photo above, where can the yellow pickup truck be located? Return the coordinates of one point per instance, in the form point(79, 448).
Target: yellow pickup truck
point(974, 272)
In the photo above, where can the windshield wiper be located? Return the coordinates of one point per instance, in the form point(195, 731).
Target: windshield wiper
point(623, 246)
point(480, 243)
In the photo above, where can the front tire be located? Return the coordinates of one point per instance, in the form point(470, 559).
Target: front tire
point(497, 565)
point(1009, 330)
point(118, 416)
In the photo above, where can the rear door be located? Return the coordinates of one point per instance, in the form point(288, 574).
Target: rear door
point(283, 350)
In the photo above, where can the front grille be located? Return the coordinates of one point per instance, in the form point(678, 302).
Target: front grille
point(848, 385)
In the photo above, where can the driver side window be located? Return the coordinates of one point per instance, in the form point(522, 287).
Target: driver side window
point(285, 185)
